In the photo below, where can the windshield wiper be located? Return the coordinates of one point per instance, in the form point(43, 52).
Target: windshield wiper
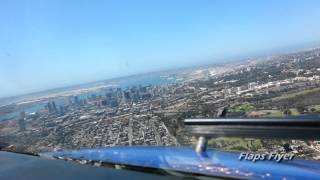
point(307, 129)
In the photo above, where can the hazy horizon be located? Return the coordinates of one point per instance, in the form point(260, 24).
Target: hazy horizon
point(51, 44)
point(279, 51)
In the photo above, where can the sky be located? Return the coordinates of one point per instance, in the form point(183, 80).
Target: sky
point(53, 43)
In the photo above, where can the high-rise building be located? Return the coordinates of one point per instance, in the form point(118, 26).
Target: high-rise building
point(114, 103)
point(62, 110)
point(104, 102)
point(76, 100)
point(127, 95)
point(21, 121)
point(54, 107)
point(50, 107)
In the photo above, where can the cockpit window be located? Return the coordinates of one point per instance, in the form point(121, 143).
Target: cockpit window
point(91, 74)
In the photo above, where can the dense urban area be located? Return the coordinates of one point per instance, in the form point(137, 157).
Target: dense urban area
point(275, 86)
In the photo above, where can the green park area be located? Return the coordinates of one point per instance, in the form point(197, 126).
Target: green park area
point(296, 94)
point(246, 107)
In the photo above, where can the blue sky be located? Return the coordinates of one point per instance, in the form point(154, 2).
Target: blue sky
point(51, 43)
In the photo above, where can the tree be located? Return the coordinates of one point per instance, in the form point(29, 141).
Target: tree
point(287, 112)
point(301, 108)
